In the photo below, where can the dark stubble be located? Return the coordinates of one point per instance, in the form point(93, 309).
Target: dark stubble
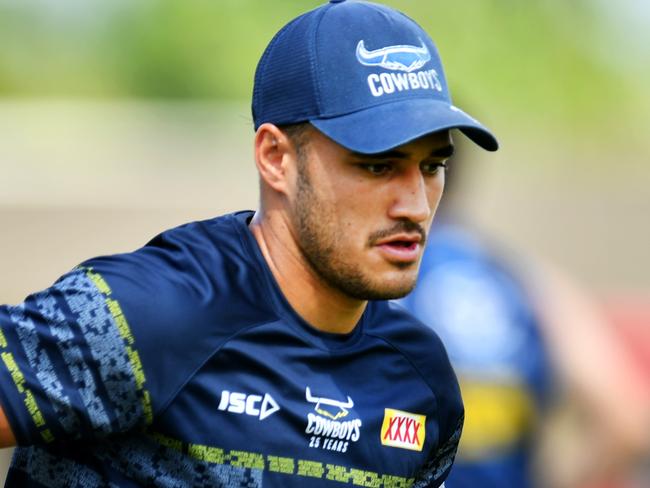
point(318, 234)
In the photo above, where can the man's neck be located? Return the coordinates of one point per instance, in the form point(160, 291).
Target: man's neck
point(321, 305)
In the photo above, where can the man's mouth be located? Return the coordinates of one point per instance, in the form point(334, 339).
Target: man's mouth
point(401, 248)
point(402, 244)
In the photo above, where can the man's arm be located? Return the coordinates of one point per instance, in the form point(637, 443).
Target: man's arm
point(68, 368)
point(434, 473)
point(7, 438)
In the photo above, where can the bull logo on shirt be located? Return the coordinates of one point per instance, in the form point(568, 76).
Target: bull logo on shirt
point(324, 427)
point(329, 408)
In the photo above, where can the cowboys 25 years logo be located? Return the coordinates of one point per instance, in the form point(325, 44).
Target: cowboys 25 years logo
point(326, 426)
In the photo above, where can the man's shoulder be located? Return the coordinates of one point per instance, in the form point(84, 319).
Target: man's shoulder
point(192, 274)
point(420, 344)
point(199, 249)
point(395, 323)
point(422, 347)
point(216, 235)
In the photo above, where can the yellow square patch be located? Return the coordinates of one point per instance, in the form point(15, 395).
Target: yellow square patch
point(403, 429)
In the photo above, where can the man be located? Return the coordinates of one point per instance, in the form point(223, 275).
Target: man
point(256, 349)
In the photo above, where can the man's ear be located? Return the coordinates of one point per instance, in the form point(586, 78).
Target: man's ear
point(275, 157)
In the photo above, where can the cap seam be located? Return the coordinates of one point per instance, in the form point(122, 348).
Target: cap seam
point(314, 64)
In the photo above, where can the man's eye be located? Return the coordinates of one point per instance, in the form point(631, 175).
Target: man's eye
point(376, 169)
point(433, 168)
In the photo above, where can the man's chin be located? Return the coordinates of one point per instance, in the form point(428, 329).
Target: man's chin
point(383, 281)
point(387, 290)
point(400, 292)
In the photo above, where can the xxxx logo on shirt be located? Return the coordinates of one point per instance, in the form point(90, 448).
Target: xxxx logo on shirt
point(403, 429)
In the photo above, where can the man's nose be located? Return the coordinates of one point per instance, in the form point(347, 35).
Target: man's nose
point(411, 197)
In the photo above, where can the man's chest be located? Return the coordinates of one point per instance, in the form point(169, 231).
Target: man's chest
point(289, 410)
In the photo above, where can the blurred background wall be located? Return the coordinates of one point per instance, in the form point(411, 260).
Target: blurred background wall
point(121, 118)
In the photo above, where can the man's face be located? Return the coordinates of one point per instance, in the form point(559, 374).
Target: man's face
point(361, 221)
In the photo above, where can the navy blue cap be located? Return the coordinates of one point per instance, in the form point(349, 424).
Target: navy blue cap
point(364, 74)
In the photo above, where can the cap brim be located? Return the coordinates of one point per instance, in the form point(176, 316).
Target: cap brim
point(383, 127)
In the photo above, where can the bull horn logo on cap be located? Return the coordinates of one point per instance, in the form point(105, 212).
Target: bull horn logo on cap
point(402, 58)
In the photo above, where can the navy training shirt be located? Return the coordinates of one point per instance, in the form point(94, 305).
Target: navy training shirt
point(182, 364)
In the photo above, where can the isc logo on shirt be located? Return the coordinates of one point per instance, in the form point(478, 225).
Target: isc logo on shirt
point(253, 405)
point(403, 429)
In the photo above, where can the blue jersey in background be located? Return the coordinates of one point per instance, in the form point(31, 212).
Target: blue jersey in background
point(472, 298)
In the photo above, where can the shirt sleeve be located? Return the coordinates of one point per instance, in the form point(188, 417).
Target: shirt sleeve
point(70, 367)
point(110, 345)
point(434, 473)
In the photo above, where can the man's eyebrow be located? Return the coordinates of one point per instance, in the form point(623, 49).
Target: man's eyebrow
point(442, 152)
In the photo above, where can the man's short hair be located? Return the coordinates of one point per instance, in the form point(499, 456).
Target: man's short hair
point(297, 134)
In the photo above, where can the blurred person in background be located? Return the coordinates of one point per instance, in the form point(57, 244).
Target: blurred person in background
point(551, 397)
point(598, 433)
point(475, 299)
point(630, 315)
